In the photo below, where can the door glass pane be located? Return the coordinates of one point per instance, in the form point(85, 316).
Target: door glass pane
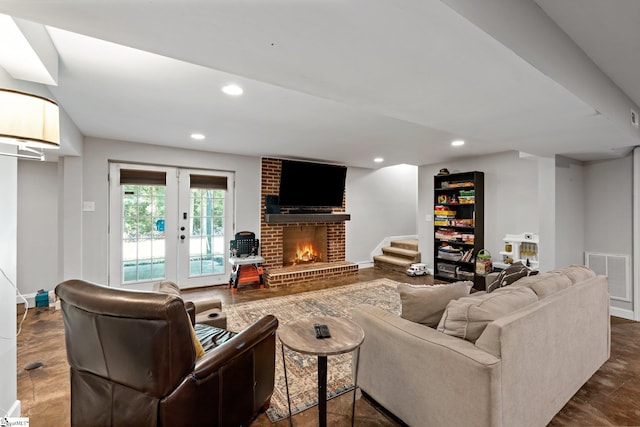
point(143, 239)
point(206, 252)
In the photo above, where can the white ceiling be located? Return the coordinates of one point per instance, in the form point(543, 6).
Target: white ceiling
point(338, 81)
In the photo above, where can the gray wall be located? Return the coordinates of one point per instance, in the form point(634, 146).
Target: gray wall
point(609, 209)
point(570, 213)
point(97, 154)
point(511, 198)
point(382, 203)
point(8, 263)
point(37, 225)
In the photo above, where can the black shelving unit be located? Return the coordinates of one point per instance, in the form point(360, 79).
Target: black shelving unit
point(459, 223)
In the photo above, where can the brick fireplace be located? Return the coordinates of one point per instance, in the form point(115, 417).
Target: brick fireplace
point(304, 245)
point(328, 260)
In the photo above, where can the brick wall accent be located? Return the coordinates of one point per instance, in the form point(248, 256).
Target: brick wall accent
point(271, 234)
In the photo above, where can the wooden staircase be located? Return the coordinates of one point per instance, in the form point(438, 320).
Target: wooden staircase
point(399, 256)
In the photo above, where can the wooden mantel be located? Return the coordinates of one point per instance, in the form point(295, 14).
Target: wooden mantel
point(312, 217)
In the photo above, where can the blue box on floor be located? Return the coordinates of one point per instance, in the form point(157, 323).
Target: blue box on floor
point(42, 299)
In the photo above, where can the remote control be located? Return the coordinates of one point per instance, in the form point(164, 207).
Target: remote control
point(321, 331)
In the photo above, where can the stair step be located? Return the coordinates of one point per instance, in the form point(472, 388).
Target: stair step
point(391, 263)
point(399, 255)
point(411, 255)
point(411, 244)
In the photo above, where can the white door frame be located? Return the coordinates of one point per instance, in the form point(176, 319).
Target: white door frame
point(184, 206)
point(176, 203)
point(115, 224)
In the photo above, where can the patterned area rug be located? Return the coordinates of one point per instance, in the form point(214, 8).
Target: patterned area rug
point(302, 369)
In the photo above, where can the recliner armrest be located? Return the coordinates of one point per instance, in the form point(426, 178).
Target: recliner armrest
point(207, 305)
point(262, 330)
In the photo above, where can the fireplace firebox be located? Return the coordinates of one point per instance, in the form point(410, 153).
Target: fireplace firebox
point(304, 245)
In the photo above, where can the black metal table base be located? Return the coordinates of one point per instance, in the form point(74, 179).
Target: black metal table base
point(322, 389)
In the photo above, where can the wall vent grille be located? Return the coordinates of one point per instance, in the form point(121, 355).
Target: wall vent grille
point(617, 269)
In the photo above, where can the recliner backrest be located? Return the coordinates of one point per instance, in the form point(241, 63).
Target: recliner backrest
point(138, 339)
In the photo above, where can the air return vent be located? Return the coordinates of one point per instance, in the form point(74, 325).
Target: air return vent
point(617, 269)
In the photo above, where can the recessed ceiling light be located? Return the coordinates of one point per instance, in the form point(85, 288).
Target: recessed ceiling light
point(457, 143)
point(234, 90)
point(197, 136)
point(378, 160)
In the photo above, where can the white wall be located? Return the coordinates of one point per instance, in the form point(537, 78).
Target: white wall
point(570, 213)
point(511, 198)
point(70, 180)
point(95, 188)
point(37, 226)
point(609, 212)
point(382, 203)
point(8, 263)
point(526, 29)
point(546, 211)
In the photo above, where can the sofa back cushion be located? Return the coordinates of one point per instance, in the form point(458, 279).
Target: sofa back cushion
point(425, 304)
point(467, 317)
point(545, 284)
point(576, 273)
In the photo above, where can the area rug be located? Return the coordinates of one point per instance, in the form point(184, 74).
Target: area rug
point(302, 369)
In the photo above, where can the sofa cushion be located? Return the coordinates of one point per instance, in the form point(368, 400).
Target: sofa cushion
point(576, 273)
point(509, 275)
point(545, 284)
point(467, 317)
point(425, 304)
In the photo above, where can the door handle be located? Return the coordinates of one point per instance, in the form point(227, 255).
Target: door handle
point(182, 237)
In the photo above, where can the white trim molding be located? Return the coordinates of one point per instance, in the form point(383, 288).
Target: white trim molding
point(636, 233)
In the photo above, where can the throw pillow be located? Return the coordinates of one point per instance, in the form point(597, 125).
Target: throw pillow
point(197, 345)
point(467, 317)
point(425, 304)
point(509, 275)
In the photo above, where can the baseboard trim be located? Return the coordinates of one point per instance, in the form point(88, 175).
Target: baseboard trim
point(365, 264)
point(621, 312)
point(15, 410)
point(31, 299)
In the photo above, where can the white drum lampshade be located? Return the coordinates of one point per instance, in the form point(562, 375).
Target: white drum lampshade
point(28, 120)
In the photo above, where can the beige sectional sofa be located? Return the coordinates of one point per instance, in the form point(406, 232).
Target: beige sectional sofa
point(520, 371)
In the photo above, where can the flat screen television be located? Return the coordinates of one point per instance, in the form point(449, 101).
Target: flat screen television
point(311, 185)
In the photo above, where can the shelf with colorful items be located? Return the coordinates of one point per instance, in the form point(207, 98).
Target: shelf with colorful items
point(445, 217)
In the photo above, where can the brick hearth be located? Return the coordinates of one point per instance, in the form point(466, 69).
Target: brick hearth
point(271, 240)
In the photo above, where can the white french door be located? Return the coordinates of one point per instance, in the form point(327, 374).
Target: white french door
point(205, 226)
point(169, 223)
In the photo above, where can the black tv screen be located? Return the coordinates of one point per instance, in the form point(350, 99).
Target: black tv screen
point(311, 184)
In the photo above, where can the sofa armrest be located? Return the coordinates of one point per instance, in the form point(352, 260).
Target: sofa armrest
point(252, 336)
point(424, 376)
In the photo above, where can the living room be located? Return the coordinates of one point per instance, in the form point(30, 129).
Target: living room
point(576, 206)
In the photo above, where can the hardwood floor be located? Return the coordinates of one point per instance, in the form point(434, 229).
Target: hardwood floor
point(610, 398)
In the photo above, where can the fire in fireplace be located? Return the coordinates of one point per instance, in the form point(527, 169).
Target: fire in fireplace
point(304, 245)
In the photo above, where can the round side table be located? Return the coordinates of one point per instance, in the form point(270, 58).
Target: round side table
point(299, 336)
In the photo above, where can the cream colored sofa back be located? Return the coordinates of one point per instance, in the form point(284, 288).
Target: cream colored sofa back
point(549, 349)
point(520, 372)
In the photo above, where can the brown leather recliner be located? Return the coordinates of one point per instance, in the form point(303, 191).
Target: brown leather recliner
point(133, 362)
